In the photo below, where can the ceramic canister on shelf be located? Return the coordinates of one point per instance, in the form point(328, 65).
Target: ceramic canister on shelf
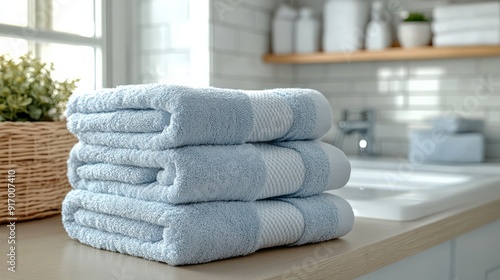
point(378, 33)
point(306, 32)
point(414, 34)
point(345, 24)
point(283, 29)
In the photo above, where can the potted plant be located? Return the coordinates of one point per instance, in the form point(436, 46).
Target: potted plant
point(34, 141)
point(414, 31)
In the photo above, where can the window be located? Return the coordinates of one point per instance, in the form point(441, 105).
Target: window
point(66, 33)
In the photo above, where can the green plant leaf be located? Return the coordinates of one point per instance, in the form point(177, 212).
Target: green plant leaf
point(28, 91)
point(26, 102)
point(415, 17)
point(35, 113)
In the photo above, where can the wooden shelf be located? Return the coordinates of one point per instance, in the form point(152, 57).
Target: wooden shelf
point(386, 55)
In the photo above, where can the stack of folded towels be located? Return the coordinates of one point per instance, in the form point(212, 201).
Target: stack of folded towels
point(190, 175)
point(467, 24)
point(451, 139)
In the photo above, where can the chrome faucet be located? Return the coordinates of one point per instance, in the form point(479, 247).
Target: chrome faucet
point(364, 124)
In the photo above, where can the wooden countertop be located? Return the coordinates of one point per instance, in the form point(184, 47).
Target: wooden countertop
point(44, 251)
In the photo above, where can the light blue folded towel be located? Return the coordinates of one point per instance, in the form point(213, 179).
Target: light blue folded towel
point(434, 146)
point(201, 232)
point(160, 116)
point(210, 173)
point(457, 124)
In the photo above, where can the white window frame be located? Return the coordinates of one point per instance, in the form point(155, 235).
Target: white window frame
point(113, 42)
point(122, 40)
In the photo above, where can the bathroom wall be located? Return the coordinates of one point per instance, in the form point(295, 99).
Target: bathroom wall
point(229, 54)
point(240, 37)
point(174, 44)
point(406, 94)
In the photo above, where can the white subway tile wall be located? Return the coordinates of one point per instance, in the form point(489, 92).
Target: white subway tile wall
point(174, 45)
point(405, 94)
point(240, 37)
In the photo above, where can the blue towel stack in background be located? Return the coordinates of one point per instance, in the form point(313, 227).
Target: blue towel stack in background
point(189, 175)
point(452, 139)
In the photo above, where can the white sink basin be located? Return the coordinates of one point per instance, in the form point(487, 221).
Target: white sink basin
point(399, 191)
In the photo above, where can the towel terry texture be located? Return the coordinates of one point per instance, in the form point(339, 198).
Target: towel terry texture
point(210, 173)
point(187, 175)
point(466, 10)
point(159, 116)
point(201, 232)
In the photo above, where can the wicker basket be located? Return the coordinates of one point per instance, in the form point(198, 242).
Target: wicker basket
point(37, 152)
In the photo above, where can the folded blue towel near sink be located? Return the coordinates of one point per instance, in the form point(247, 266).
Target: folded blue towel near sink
point(210, 173)
point(160, 116)
point(434, 146)
point(457, 124)
point(201, 232)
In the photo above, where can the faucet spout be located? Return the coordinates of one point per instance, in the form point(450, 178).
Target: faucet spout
point(352, 126)
point(364, 126)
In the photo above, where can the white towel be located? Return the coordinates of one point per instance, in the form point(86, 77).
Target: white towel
point(466, 24)
point(462, 11)
point(469, 38)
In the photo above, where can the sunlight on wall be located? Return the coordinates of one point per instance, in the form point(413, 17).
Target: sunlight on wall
point(400, 101)
point(391, 72)
point(424, 100)
point(437, 71)
point(174, 42)
point(422, 85)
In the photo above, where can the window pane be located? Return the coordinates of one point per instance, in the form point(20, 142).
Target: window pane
point(13, 46)
point(75, 17)
point(14, 12)
point(71, 62)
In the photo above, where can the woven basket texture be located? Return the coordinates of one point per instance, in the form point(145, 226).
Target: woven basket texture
point(37, 152)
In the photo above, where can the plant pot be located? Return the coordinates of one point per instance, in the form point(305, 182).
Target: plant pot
point(414, 34)
point(37, 152)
